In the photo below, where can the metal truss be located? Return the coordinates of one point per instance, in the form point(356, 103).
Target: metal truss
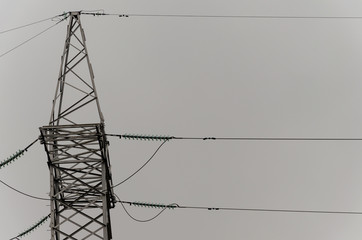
point(80, 177)
point(75, 93)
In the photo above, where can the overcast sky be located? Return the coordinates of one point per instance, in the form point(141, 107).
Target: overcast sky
point(199, 77)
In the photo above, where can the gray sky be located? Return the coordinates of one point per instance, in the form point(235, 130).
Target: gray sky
point(199, 77)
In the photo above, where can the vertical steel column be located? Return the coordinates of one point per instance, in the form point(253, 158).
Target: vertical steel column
point(77, 148)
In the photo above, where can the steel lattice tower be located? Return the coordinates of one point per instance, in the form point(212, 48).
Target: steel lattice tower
point(77, 148)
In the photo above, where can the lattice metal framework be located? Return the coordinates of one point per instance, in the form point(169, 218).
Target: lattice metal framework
point(78, 159)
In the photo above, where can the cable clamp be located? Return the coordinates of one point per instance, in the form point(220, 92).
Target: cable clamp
point(209, 138)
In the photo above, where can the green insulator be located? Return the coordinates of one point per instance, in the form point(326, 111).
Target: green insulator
point(12, 158)
point(146, 137)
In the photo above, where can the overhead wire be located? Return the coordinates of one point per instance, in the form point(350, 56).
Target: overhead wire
point(28, 40)
point(136, 219)
point(267, 139)
point(168, 138)
point(174, 206)
point(23, 193)
point(157, 138)
point(139, 169)
point(164, 207)
point(30, 24)
point(11, 159)
point(93, 13)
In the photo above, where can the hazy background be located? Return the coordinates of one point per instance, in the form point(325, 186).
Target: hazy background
point(199, 77)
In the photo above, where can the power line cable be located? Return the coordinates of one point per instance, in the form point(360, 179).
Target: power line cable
point(167, 138)
point(126, 179)
point(216, 16)
point(140, 220)
point(13, 158)
point(267, 139)
point(33, 23)
point(28, 40)
point(23, 193)
point(174, 206)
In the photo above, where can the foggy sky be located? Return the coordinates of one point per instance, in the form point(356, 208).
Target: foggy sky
point(199, 77)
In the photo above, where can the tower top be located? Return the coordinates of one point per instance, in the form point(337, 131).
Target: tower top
point(76, 98)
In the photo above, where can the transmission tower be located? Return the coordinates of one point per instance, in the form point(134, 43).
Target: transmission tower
point(77, 149)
